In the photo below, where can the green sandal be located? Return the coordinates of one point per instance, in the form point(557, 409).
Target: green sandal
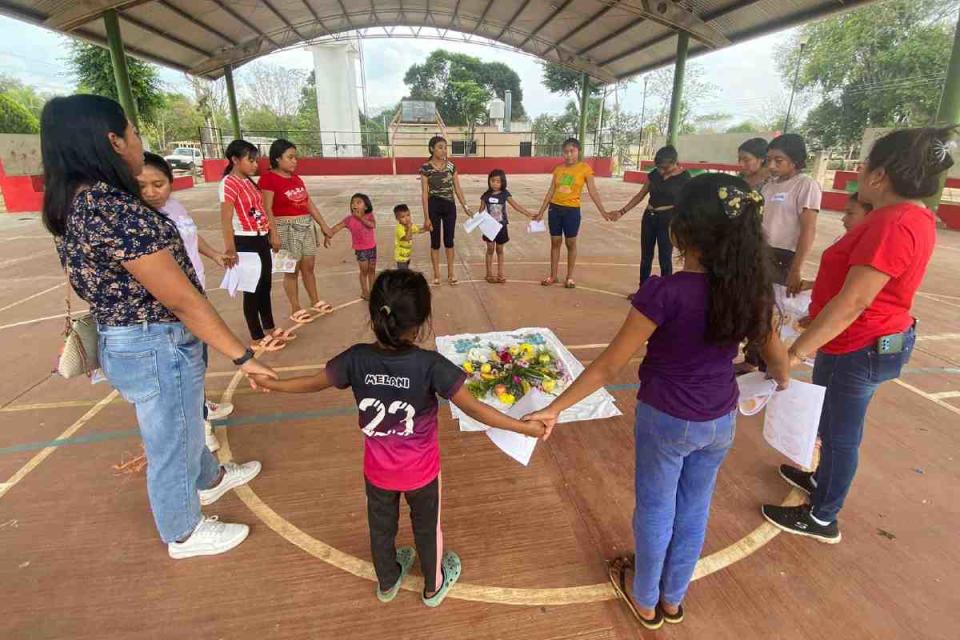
point(405, 558)
point(451, 573)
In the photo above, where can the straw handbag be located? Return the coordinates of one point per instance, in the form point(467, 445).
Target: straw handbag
point(79, 353)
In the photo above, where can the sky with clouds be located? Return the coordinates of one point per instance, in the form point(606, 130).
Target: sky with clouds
point(745, 76)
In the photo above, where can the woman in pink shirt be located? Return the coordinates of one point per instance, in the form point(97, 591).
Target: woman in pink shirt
point(362, 225)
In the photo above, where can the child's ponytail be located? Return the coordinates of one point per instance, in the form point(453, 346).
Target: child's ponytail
point(720, 217)
point(399, 304)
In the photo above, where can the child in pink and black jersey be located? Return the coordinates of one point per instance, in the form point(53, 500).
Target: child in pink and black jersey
point(396, 385)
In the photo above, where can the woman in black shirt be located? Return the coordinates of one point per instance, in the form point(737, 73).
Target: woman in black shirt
point(663, 186)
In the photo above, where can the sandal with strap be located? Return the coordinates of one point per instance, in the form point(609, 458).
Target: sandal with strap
point(570, 284)
point(283, 335)
point(491, 280)
point(269, 344)
point(453, 282)
point(501, 280)
point(451, 569)
point(405, 557)
point(303, 317)
point(322, 308)
point(617, 569)
point(548, 282)
point(675, 618)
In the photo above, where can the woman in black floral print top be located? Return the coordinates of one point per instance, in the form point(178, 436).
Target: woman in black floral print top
point(128, 262)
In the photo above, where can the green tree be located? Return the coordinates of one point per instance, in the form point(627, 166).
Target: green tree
point(433, 80)
point(93, 69)
point(14, 117)
point(178, 119)
point(469, 101)
point(696, 88)
point(23, 94)
point(565, 81)
point(880, 66)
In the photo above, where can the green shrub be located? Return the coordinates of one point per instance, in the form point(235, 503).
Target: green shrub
point(14, 117)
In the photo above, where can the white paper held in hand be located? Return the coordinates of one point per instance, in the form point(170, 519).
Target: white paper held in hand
point(488, 226)
point(793, 415)
point(516, 445)
point(537, 226)
point(244, 276)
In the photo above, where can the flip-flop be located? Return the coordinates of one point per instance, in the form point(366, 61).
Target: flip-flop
point(269, 344)
point(283, 335)
point(405, 557)
point(491, 280)
point(303, 317)
point(453, 282)
point(548, 282)
point(501, 280)
point(436, 282)
point(617, 570)
point(675, 618)
point(322, 308)
point(570, 284)
point(451, 568)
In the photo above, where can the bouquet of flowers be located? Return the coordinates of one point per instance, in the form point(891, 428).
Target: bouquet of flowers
point(509, 372)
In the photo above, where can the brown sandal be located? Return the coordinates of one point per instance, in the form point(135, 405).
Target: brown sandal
point(617, 569)
point(548, 282)
point(501, 280)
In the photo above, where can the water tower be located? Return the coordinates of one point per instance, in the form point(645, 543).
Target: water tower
point(335, 66)
point(496, 109)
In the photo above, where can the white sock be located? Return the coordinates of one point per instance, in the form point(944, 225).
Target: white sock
point(817, 520)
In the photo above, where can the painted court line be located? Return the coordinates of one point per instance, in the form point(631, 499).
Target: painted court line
point(945, 394)
point(35, 461)
point(36, 295)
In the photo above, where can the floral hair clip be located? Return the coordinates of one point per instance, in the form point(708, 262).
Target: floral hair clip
point(941, 148)
point(732, 199)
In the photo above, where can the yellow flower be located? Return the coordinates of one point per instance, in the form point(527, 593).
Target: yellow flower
point(527, 350)
point(722, 192)
point(525, 386)
point(468, 366)
point(544, 358)
point(488, 376)
point(513, 350)
point(549, 385)
point(507, 398)
point(485, 368)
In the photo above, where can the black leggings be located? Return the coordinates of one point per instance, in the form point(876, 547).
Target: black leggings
point(655, 232)
point(383, 516)
point(442, 212)
point(257, 309)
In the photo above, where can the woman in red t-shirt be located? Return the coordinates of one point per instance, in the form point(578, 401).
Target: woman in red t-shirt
point(861, 329)
point(286, 200)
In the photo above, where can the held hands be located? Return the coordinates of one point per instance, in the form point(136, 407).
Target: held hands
point(546, 417)
point(258, 374)
point(538, 429)
point(794, 282)
point(230, 259)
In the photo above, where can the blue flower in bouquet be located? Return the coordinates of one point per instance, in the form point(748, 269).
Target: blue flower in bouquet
point(535, 338)
point(463, 345)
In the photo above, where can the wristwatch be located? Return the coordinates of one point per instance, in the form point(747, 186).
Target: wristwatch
point(247, 355)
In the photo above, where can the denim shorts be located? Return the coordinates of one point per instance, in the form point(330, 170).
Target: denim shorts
point(366, 255)
point(563, 221)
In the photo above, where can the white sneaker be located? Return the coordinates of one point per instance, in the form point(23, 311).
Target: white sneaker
point(235, 475)
point(218, 411)
point(209, 538)
point(211, 438)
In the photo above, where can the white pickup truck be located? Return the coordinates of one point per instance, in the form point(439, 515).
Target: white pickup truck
point(184, 158)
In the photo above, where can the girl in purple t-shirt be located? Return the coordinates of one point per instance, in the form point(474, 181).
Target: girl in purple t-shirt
point(692, 322)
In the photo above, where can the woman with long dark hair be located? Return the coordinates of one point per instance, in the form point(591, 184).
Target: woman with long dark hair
point(861, 330)
point(692, 323)
point(440, 182)
point(128, 261)
point(288, 204)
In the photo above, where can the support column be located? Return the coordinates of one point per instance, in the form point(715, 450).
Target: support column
point(584, 101)
point(232, 100)
point(119, 59)
point(949, 111)
point(676, 98)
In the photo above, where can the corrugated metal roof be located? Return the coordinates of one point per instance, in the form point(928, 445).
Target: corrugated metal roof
point(609, 39)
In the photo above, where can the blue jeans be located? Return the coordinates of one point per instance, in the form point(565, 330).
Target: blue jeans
point(851, 380)
point(158, 367)
point(677, 464)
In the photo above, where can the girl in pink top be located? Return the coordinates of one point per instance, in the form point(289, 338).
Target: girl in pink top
point(362, 225)
point(396, 384)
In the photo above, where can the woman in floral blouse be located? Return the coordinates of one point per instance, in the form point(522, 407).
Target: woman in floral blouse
point(128, 262)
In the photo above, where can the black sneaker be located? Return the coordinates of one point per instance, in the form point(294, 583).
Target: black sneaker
point(798, 478)
point(797, 520)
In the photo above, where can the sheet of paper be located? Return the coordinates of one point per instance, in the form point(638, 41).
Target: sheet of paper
point(231, 280)
point(516, 445)
point(485, 222)
point(755, 391)
point(792, 309)
point(283, 262)
point(249, 266)
point(792, 420)
point(537, 226)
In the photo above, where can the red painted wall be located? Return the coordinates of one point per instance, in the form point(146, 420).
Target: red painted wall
point(706, 166)
point(603, 167)
point(182, 182)
point(21, 193)
point(841, 178)
point(950, 214)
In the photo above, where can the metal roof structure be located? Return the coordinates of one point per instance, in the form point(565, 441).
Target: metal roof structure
point(610, 40)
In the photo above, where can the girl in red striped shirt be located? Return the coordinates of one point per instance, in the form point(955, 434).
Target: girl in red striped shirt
point(247, 227)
